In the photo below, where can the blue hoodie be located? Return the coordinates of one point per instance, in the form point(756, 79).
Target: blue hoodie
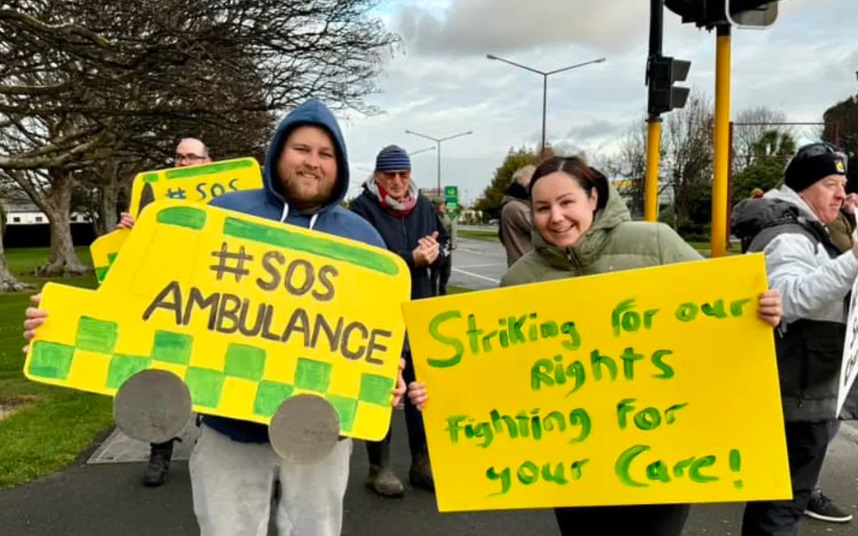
point(269, 203)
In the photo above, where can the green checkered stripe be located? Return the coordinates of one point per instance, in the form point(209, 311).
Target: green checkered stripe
point(54, 361)
point(101, 271)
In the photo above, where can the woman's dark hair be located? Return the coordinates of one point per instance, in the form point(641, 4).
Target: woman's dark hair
point(576, 167)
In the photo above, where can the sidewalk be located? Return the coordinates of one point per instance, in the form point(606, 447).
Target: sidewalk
point(108, 500)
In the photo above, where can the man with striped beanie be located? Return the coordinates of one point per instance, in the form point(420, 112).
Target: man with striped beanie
point(411, 228)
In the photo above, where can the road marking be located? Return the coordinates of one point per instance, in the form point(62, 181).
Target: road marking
point(484, 278)
point(493, 265)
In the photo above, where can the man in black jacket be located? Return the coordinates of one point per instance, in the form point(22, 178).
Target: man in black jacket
point(410, 227)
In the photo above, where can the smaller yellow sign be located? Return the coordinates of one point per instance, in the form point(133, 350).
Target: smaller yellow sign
point(246, 311)
point(194, 184)
point(649, 386)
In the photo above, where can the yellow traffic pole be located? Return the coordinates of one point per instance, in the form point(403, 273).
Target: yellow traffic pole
point(653, 152)
point(722, 142)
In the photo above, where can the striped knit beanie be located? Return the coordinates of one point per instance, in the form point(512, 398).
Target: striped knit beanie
point(392, 158)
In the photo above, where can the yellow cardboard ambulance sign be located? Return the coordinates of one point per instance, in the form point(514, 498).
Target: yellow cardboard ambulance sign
point(246, 311)
point(650, 386)
point(193, 184)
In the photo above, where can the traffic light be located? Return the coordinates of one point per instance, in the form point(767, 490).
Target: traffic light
point(703, 13)
point(662, 73)
point(710, 13)
point(752, 13)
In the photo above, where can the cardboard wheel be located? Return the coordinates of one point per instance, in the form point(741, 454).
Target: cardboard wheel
point(304, 429)
point(152, 406)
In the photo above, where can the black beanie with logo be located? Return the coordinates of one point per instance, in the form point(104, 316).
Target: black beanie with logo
point(804, 171)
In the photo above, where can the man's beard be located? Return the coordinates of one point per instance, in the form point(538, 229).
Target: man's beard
point(307, 197)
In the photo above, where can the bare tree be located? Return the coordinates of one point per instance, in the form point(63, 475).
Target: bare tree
point(92, 93)
point(8, 282)
point(750, 126)
point(688, 142)
point(628, 167)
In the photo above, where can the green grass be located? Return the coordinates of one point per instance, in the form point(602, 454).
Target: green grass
point(705, 248)
point(54, 425)
point(491, 236)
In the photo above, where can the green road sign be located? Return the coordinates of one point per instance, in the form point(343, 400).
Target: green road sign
point(451, 197)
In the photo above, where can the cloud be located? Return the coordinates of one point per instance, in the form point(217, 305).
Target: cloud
point(444, 84)
point(476, 27)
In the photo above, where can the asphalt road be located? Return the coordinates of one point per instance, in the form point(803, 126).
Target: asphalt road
point(108, 500)
point(478, 264)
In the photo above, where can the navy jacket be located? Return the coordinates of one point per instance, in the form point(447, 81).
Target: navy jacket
point(401, 235)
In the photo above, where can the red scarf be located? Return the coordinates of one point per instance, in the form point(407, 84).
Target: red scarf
point(406, 205)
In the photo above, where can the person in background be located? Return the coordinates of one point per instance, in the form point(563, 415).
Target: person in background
point(514, 227)
point(442, 270)
point(189, 152)
point(814, 277)
point(841, 231)
point(410, 227)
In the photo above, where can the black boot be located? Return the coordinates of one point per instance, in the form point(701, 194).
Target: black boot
point(382, 479)
point(159, 464)
point(420, 474)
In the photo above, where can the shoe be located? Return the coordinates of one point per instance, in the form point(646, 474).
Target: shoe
point(420, 474)
point(382, 479)
point(820, 507)
point(384, 482)
point(159, 464)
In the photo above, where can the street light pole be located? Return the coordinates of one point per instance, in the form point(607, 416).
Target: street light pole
point(426, 150)
point(545, 75)
point(438, 142)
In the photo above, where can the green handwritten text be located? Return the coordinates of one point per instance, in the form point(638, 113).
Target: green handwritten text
point(556, 372)
point(530, 473)
point(506, 332)
point(524, 425)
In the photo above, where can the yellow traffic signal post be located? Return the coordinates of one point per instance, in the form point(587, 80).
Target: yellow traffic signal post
point(653, 144)
point(722, 142)
point(662, 72)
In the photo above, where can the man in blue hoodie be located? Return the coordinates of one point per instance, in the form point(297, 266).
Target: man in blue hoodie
point(233, 466)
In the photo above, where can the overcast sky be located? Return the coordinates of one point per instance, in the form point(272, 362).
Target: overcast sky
point(441, 82)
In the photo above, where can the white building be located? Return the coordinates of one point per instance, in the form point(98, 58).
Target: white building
point(22, 211)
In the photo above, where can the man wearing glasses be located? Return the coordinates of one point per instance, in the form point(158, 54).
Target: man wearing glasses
point(189, 152)
point(814, 278)
point(410, 227)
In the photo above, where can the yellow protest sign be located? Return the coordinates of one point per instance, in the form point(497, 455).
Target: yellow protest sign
point(650, 386)
point(246, 311)
point(194, 184)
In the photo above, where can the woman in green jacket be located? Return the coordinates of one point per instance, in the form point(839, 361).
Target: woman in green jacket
point(583, 228)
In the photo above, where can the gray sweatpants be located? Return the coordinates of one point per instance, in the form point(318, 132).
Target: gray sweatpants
point(232, 484)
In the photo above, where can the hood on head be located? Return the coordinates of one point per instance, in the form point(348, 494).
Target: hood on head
point(776, 207)
point(313, 113)
point(516, 191)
